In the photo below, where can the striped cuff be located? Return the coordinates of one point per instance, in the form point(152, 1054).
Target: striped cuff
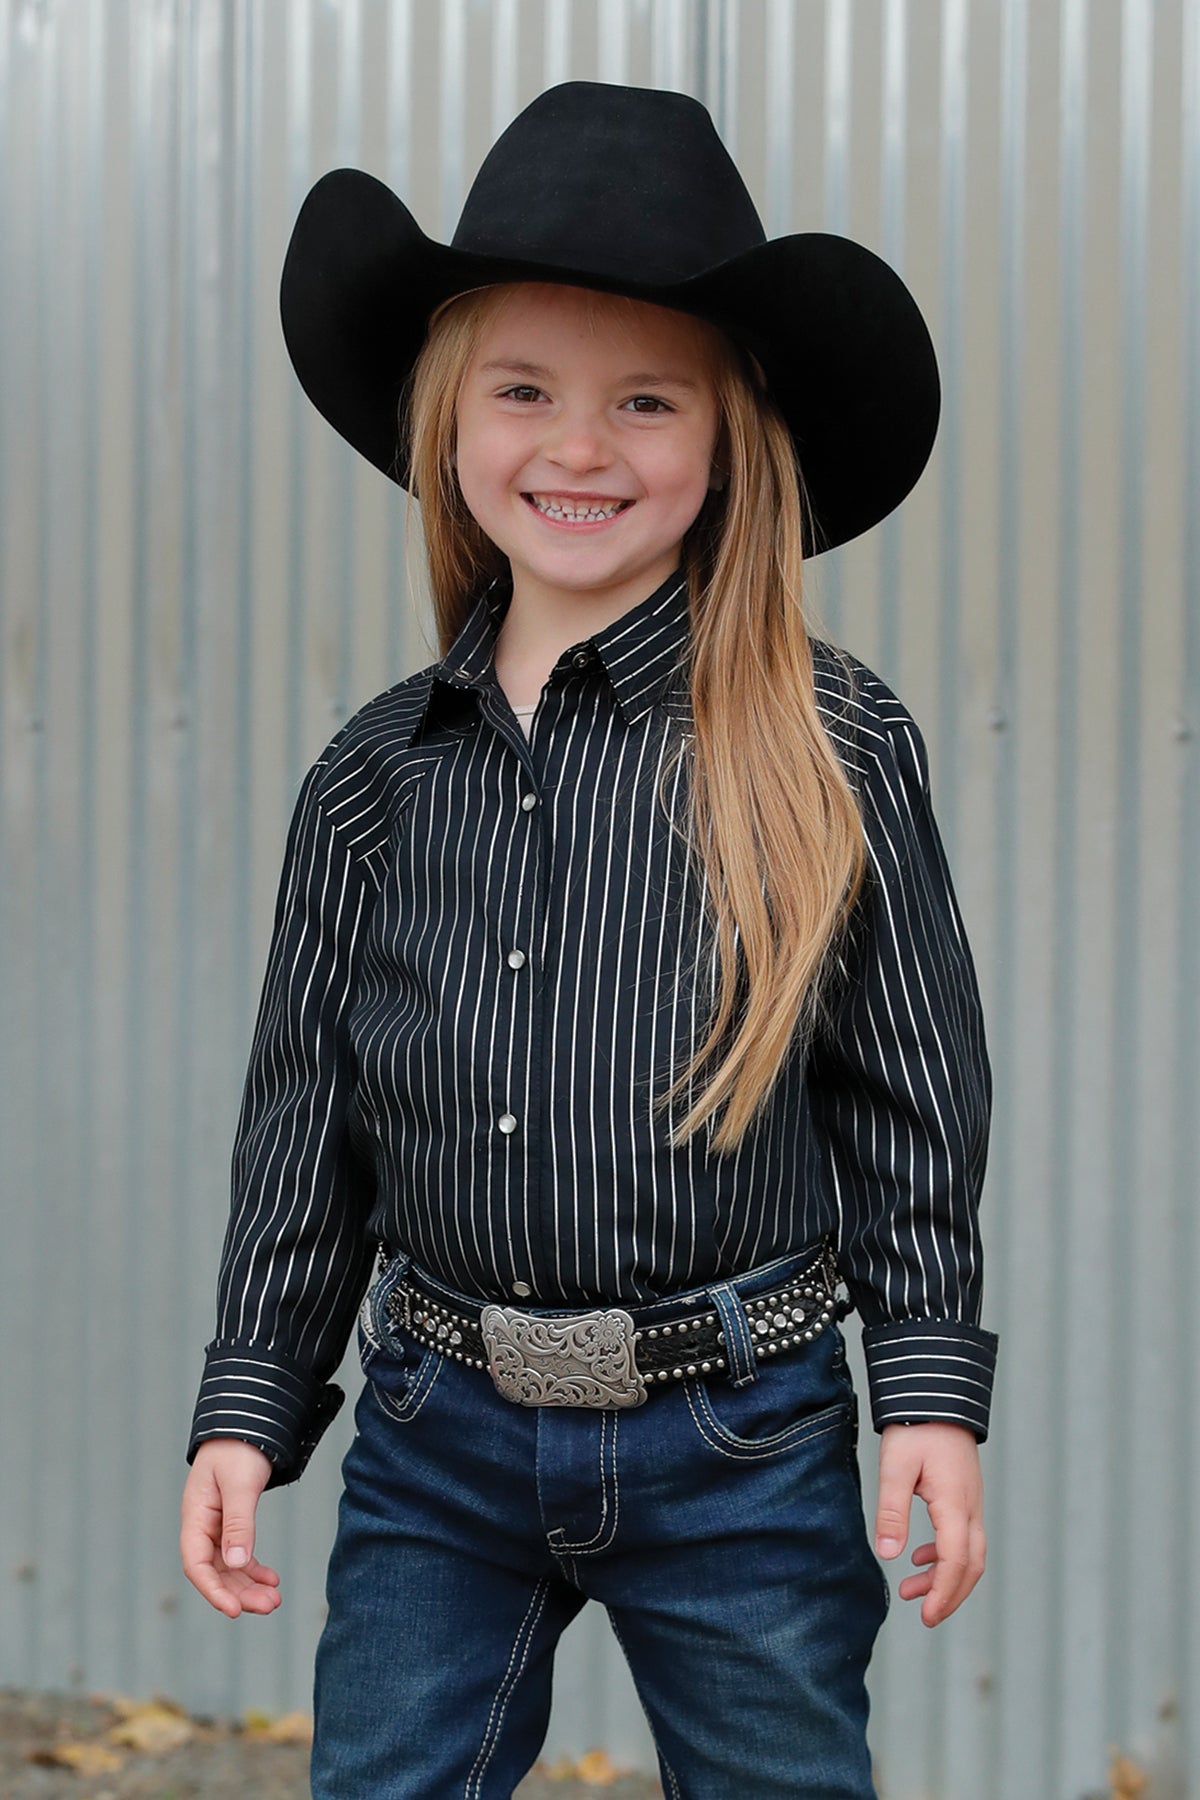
point(920, 1370)
point(265, 1399)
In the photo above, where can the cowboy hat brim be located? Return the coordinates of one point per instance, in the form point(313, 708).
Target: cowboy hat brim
point(846, 353)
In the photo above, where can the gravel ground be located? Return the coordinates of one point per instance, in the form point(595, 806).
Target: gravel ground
point(220, 1759)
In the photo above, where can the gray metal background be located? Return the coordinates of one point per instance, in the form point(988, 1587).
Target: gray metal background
point(199, 581)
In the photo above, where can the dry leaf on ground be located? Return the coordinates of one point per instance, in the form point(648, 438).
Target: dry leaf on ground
point(154, 1727)
point(289, 1728)
point(85, 1759)
point(595, 1769)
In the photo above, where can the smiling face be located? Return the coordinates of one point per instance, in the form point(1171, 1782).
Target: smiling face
point(563, 415)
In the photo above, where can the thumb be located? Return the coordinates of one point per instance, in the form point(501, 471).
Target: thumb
point(892, 1512)
point(239, 1498)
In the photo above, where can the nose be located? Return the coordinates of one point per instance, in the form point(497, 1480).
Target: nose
point(578, 441)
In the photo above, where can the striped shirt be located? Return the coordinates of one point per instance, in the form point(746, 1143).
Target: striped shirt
point(490, 957)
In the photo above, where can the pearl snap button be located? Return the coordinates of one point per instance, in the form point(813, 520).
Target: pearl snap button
point(528, 802)
point(522, 1290)
point(516, 959)
point(507, 1122)
point(581, 659)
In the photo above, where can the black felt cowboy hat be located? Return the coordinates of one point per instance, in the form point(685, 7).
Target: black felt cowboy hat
point(629, 190)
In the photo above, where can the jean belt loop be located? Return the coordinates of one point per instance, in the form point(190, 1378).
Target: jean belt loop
point(387, 1280)
point(739, 1345)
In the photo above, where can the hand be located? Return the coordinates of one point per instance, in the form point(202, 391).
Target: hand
point(940, 1463)
point(216, 1537)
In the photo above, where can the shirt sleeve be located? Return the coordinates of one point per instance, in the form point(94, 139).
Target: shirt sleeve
point(297, 1255)
point(901, 1091)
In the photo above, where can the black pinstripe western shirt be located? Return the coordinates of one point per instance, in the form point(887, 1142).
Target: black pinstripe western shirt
point(489, 957)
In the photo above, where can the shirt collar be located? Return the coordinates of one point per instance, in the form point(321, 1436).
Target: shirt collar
point(639, 652)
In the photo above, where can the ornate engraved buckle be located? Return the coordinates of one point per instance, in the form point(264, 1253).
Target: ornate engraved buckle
point(584, 1360)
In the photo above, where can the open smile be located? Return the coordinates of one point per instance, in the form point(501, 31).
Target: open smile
point(567, 515)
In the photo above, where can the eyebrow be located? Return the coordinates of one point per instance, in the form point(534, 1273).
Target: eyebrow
point(652, 377)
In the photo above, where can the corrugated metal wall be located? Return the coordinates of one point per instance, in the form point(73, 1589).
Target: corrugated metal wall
point(198, 581)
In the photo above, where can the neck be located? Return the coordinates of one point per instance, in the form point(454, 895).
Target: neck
point(541, 622)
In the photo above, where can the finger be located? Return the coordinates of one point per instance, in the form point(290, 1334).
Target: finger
point(976, 1559)
point(892, 1511)
point(914, 1587)
point(252, 1596)
point(233, 1591)
point(260, 1573)
point(210, 1582)
point(199, 1532)
point(952, 1580)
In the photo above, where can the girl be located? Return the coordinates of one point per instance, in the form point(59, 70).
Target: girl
point(618, 994)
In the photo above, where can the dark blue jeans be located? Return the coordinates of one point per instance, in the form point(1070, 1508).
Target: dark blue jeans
point(721, 1526)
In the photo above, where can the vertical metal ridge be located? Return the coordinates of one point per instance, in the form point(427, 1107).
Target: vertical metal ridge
point(612, 41)
point(894, 168)
point(839, 29)
point(451, 119)
point(11, 1508)
point(838, 123)
point(1131, 1257)
point(671, 58)
point(953, 126)
point(952, 129)
point(725, 17)
point(1185, 1274)
point(191, 476)
point(556, 65)
point(1072, 1225)
point(41, 424)
point(1018, 1701)
point(505, 44)
point(338, 595)
point(400, 156)
point(144, 88)
point(301, 95)
point(778, 217)
point(90, 1036)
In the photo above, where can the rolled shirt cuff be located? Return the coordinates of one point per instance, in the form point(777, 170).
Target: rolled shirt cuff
point(923, 1370)
point(266, 1399)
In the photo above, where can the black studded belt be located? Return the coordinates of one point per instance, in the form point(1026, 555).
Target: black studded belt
point(613, 1356)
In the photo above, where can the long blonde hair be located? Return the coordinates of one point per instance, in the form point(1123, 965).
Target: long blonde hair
point(772, 820)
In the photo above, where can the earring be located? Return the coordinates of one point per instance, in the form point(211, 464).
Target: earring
point(718, 483)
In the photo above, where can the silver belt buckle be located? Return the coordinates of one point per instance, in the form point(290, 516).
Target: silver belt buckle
point(584, 1360)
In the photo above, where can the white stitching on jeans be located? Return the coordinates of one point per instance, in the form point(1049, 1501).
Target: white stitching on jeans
point(593, 1543)
point(408, 1408)
point(507, 1683)
point(738, 1451)
point(664, 1765)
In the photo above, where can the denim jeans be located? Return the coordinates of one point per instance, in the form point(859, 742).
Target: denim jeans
point(721, 1527)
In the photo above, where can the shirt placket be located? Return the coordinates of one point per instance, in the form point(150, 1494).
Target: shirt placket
point(522, 1102)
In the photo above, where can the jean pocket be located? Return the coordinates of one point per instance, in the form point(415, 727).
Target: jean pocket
point(401, 1375)
point(792, 1399)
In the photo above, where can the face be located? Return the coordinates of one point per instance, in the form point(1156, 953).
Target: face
point(558, 417)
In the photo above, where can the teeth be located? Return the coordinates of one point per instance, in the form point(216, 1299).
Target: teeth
point(558, 509)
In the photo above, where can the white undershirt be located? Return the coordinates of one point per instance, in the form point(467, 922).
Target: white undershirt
point(525, 716)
